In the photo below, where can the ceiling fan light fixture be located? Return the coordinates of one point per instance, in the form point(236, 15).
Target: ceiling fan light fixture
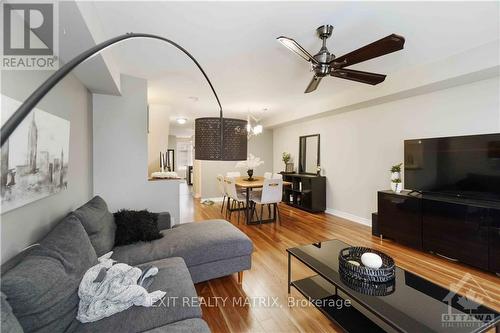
point(325, 63)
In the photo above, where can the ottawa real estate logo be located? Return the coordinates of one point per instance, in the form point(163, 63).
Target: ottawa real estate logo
point(467, 296)
point(29, 36)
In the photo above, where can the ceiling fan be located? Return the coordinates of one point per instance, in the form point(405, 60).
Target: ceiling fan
point(325, 63)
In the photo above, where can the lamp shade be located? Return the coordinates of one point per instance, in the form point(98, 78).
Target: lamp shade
point(220, 139)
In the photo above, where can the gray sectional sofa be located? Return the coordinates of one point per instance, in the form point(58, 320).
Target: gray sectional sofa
point(40, 292)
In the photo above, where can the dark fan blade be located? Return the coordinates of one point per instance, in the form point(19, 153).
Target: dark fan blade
point(295, 47)
point(313, 84)
point(379, 48)
point(364, 77)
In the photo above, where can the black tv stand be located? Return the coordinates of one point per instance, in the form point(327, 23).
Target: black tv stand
point(456, 228)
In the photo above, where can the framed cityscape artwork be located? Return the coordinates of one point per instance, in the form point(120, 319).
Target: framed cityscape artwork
point(34, 161)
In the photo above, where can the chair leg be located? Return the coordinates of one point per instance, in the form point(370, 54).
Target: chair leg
point(231, 206)
point(240, 277)
point(269, 210)
point(277, 212)
point(253, 212)
point(222, 207)
point(239, 203)
point(261, 210)
point(274, 212)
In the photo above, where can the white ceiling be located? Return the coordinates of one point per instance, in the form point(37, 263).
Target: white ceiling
point(235, 42)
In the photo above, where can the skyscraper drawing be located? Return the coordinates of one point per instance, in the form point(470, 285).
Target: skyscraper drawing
point(32, 145)
point(61, 176)
point(4, 166)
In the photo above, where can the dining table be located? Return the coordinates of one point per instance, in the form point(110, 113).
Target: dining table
point(248, 185)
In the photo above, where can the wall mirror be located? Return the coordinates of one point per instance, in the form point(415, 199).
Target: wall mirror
point(171, 159)
point(309, 154)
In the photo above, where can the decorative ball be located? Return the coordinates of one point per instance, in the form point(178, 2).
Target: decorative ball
point(354, 262)
point(371, 260)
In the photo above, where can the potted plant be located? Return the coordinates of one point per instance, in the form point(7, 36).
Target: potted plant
point(287, 157)
point(396, 185)
point(396, 171)
point(251, 163)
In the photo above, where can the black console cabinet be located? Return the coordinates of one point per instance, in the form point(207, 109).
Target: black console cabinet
point(494, 241)
point(400, 218)
point(457, 231)
point(307, 192)
point(463, 230)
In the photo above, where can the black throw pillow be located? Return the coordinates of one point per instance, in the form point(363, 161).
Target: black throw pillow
point(133, 226)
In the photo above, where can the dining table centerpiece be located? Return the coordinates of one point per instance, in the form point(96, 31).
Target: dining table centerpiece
point(250, 163)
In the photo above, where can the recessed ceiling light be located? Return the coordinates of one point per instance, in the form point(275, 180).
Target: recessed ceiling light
point(181, 121)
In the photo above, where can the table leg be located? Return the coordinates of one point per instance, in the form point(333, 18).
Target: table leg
point(247, 205)
point(289, 272)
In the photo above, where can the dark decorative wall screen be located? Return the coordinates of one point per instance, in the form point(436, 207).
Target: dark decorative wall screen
point(208, 137)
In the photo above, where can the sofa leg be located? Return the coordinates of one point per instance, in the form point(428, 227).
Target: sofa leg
point(240, 277)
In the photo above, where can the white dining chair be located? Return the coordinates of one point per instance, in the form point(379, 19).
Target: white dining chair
point(277, 176)
point(271, 194)
point(222, 190)
point(267, 175)
point(234, 174)
point(235, 195)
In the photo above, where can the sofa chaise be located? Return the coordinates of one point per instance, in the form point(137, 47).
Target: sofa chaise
point(40, 293)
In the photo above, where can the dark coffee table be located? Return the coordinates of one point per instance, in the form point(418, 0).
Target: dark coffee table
point(413, 304)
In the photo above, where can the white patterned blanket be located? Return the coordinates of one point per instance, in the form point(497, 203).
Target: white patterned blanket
point(108, 288)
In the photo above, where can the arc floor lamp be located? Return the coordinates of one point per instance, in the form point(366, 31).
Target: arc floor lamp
point(216, 138)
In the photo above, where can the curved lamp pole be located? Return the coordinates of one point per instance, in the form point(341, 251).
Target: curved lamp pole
point(25, 108)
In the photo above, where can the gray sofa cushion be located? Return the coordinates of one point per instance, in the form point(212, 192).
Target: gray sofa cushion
point(196, 243)
point(216, 269)
point(194, 325)
point(43, 288)
point(9, 321)
point(173, 278)
point(164, 221)
point(99, 224)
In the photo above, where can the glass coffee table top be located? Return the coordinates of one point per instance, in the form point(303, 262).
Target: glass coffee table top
point(415, 304)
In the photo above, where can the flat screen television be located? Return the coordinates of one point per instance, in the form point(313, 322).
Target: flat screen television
point(459, 166)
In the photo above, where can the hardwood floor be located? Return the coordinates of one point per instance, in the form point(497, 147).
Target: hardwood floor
point(268, 276)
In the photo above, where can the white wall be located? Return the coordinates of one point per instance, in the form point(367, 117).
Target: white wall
point(69, 100)
point(121, 153)
point(358, 147)
point(158, 136)
point(261, 146)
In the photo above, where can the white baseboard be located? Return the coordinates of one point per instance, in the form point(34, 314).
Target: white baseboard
point(348, 216)
point(212, 199)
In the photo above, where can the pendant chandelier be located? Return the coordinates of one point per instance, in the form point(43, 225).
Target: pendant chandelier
point(219, 138)
point(253, 127)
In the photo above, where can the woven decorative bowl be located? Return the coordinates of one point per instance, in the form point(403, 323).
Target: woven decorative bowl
point(383, 274)
point(369, 288)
